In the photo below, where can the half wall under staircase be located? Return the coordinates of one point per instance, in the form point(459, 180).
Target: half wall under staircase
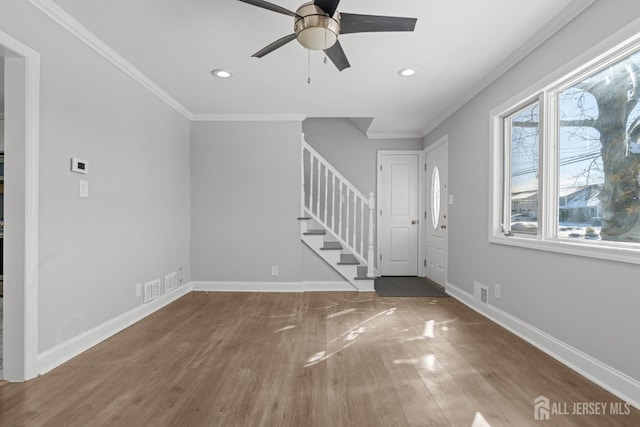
point(337, 220)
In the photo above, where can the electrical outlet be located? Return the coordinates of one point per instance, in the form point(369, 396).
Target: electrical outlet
point(174, 280)
point(484, 295)
point(497, 291)
point(84, 188)
point(180, 276)
point(274, 270)
point(138, 289)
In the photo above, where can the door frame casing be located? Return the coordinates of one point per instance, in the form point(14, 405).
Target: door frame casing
point(443, 140)
point(420, 190)
point(21, 335)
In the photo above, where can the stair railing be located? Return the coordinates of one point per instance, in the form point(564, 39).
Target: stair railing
point(331, 200)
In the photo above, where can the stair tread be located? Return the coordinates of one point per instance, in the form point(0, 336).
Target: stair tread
point(315, 233)
point(331, 246)
point(348, 259)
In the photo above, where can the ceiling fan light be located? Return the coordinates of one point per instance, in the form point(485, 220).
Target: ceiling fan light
point(317, 38)
point(314, 29)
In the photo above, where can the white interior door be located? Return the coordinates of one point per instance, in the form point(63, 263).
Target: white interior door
point(437, 202)
point(398, 213)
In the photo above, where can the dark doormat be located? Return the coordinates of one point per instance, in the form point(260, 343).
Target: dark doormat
point(407, 287)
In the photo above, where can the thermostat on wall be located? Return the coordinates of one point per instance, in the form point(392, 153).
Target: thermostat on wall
point(80, 166)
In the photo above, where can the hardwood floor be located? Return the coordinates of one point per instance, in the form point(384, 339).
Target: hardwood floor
point(312, 359)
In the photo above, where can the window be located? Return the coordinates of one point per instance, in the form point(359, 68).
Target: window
point(522, 144)
point(566, 162)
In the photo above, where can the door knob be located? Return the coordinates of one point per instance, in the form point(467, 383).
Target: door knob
point(443, 226)
point(414, 222)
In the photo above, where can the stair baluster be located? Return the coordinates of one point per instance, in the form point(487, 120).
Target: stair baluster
point(341, 195)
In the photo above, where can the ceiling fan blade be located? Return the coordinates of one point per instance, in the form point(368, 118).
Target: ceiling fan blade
point(329, 6)
point(338, 57)
point(273, 46)
point(354, 23)
point(269, 6)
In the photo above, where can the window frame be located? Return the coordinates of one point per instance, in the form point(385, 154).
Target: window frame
point(545, 92)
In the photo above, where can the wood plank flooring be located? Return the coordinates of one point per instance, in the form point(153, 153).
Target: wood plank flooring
point(312, 359)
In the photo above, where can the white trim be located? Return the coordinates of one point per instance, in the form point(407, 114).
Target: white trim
point(611, 49)
point(54, 357)
point(248, 117)
point(32, 150)
point(442, 140)
point(32, 167)
point(232, 286)
point(559, 22)
point(395, 135)
point(304, 286)
point(577, 248)
point(614, 381)
point(328, 287)
point(74, 27)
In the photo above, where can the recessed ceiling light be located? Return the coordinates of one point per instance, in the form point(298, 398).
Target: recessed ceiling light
point(407, 72)
point(223, 74)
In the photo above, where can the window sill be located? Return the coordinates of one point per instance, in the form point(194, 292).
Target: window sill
point(611, 252)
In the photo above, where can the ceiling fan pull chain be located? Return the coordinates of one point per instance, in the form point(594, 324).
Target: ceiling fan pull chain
point(308, 66)
point(325, 48)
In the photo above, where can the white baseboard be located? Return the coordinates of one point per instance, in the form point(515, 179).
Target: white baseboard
point(248, 286)
point(328, 287)
point(274, 286)
point(614, 381)
point(63, 352)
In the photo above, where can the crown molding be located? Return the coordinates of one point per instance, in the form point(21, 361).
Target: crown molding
point(555, 25)
point(248, 117)
point(395, 135)
point(74, 27)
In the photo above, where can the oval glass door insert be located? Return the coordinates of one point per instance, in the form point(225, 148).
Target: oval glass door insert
point(435, 197)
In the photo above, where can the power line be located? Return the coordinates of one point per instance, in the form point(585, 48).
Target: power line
point(563, 162)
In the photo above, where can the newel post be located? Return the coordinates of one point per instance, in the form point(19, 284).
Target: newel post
point(371, 252)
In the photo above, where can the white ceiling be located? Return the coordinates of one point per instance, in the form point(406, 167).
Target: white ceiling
point(458, 45)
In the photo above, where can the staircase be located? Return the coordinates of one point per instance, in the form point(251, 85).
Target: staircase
point(336, 220)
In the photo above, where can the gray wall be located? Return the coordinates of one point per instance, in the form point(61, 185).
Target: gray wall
point(350, 151)
point(246, 195)
point(245, 201)
point(590, 304)
point(134, 227)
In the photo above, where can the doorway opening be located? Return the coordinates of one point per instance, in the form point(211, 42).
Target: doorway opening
point(412, 229)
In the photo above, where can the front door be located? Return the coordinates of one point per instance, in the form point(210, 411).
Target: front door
point(398, 213)
point(436, 212)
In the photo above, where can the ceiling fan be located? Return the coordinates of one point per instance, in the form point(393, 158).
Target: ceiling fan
point(318, 24)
